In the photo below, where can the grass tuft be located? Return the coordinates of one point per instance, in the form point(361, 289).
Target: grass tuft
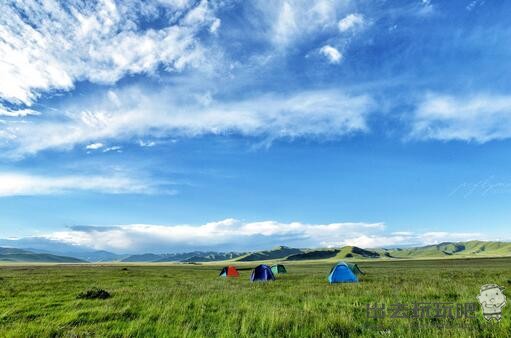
point(94, 293)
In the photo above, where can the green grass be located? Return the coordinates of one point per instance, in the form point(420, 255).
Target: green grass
point(191, 301)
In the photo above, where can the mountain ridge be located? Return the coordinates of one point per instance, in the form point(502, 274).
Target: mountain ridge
point(467, 249)
point(15, 255)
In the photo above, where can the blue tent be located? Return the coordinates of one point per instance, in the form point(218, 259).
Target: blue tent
point(341, 273)
point(262, 272)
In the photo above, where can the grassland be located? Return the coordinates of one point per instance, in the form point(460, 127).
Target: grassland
point(191, 301)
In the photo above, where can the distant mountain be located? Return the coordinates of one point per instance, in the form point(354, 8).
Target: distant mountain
point(92, 256)
point(24, 256)
point(194, 256)
point(48, 246)
point(468, 249)
point(314, 254)
point(52, 247)
point(356, 252)
point(344, 252)
point(213, 257)
point(276, 253)
point(148, 257)
point(45, 250)
point(448, 249)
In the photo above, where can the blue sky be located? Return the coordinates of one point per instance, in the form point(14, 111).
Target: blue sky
point(179, 125)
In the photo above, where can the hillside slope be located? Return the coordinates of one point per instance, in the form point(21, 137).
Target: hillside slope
point(314, 254)
point(24, 256)
point(276, 253)
point(342, 253)
point(461, 249)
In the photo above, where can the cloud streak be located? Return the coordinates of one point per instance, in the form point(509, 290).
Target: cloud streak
point(137, 112)
point(16, 184)
point(479, 117)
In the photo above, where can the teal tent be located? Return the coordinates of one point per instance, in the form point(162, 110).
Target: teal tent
point(278, 268)
point(355, 269)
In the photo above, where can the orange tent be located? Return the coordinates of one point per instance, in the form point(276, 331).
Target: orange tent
point(229, 271)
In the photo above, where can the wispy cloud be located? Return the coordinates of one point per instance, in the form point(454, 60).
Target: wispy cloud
point(50, 46)
point(19, 184)
point(479, 117)
point(136, 112)
point(113, 148)
point(331, 53)
point(291, 21)
point(17, 112)
point(143, 143)
point(351, 21)
point(406, 239)
point(94, 146)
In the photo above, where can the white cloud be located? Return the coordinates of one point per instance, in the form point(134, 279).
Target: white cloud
point(50, 45)
point(94, 146)
point(331, 53)
point(141, 113)
point(17, 112)
point(479, 118)
point(406, 238)
point(426, 8)
point(286, 25)
point(351, 21)
point(436, 237)
point(215, 25)
point(143, 143)
point(16, 184)
point(112, 148)
point(294, 20)
point(233, 234)
point(229, 232)
point(474, 4)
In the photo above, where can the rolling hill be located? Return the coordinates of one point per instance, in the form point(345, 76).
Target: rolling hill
point(279, 252)
point(342, 253)
point(448, 249)
point(25, 256)
point(356, 252)
point(442, 250)
point(314, 254)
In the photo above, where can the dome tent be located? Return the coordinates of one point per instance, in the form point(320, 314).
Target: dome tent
point(262, 273)
point(355, 269)
point(341, 273)
point(278, 268)
point(229, 271)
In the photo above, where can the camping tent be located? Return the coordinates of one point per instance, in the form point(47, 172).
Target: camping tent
point(229, 271)
point(355, 269)
point(278, 268)
point(341, 273)
point(262, 273)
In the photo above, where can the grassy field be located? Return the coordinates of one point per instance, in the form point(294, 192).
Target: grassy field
point(191, 301)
